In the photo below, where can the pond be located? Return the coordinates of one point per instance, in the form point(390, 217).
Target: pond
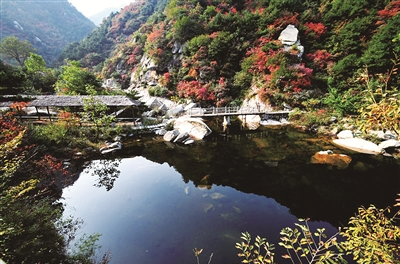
point(154, 202)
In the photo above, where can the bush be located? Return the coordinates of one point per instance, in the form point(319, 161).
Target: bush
point(315, 117)
point(50, 134)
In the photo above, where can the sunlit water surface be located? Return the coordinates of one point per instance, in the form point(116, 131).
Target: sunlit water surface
point(152, 216)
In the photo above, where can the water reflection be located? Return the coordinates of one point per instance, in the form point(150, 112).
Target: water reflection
point(105, 171)
point(151, 216)
point(172, 198)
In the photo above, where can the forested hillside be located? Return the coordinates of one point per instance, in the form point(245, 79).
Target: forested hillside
point(231, 50)
point(48, 25)
point(116, 30)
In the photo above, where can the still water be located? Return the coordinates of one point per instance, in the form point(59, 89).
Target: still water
point(159, 201)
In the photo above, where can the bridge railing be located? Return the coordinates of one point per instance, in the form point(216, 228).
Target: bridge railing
point(213, 110)
point(223, 110)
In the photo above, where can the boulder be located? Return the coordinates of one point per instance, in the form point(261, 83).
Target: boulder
point(195, 127)
point(344, 134)
point(270, 122)
point(389, 135)
point(188, 141)
point(161, 132)
point(171, 135)
point(190, 106)
point(110, 147)
point(251, 121)
point(390, 143)
point(289, 35)
point(175, 111)
point(181, 137)
point(358, 145)
point(339, 161)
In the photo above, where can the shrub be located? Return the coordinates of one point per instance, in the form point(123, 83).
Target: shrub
point(310, 118)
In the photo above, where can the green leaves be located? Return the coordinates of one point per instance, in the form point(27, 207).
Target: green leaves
point(258, 253)
point(371, 236)
point(73, 80)
point(301, 245)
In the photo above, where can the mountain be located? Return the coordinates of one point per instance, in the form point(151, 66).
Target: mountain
point(217, 53)
point(49, 25)
point(96, 49)
point(98, 18)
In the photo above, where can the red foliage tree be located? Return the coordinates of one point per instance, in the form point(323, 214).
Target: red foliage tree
point(197, 91)
point(320, 58)
point(316, 29)
point(389, 11)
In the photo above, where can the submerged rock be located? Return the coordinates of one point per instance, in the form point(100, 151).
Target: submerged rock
point(339, 161)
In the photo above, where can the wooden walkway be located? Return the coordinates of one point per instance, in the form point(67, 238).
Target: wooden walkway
point(229, 111)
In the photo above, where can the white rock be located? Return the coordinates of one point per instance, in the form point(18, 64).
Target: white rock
point(270, 122)
point(190, 106)
point(171, 135)
point(358, 145)
point(344, 134)
point(251, 121)
point(195, 127)
point(289, 35)
point(390, 143)
point(175, 111)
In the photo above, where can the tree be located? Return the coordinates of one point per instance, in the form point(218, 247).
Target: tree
point(96, 112)
point(42, 79)
point(11, 77)
point(73, 80)
point(13, 48)
point(35, 63)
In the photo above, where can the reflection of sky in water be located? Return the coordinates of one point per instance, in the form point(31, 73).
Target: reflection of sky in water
point(152, 216)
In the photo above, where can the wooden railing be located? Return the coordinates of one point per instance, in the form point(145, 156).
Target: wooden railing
point(225, 111)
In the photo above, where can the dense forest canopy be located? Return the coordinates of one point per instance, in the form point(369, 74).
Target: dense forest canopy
point(233, 46)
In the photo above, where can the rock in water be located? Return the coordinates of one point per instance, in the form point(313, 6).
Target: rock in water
point(358, 145)
point(339, 161)
point(390, 143)
point(171, 135)
point(195, 127)
point(181, 137)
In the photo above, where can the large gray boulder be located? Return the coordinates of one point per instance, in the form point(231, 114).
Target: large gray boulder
point(175, 111)
point(195, 127)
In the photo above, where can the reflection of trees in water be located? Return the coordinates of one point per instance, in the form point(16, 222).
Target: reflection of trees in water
point(107, 172)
